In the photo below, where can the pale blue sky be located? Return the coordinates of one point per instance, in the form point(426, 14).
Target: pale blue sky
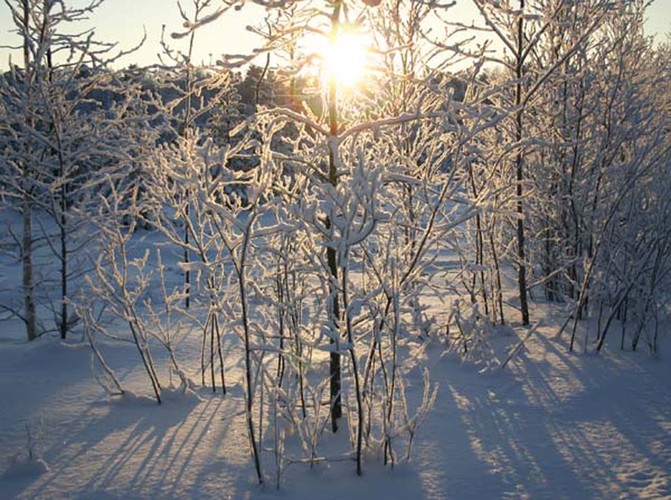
point(123, 21)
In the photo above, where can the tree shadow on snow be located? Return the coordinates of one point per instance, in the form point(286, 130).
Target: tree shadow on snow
point(131, 446)
point(553, 424)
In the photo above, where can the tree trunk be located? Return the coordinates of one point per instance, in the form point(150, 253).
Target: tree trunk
point(27, 261)
point(331, 256)
point(521, 254)
point(27, 210)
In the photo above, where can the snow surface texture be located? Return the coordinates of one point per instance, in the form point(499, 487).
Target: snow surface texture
point(551, 425)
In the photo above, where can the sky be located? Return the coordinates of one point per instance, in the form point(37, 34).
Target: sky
point(123, 21)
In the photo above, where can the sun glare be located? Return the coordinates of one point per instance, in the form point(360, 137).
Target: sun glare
point(345, 58)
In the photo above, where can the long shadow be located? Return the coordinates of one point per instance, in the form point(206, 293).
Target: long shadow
point(604, 422)
point(492, 445)
point(129, 446)
point(552, 425)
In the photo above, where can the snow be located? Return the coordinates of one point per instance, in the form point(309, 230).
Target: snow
point(300, 292)
point(25, 466)
point(551, 424)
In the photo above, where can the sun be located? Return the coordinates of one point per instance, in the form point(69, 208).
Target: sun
point(345, 58)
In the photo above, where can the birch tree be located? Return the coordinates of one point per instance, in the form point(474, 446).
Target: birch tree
point(51, 146)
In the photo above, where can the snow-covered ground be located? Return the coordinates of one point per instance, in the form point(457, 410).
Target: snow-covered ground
point(551, 425)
